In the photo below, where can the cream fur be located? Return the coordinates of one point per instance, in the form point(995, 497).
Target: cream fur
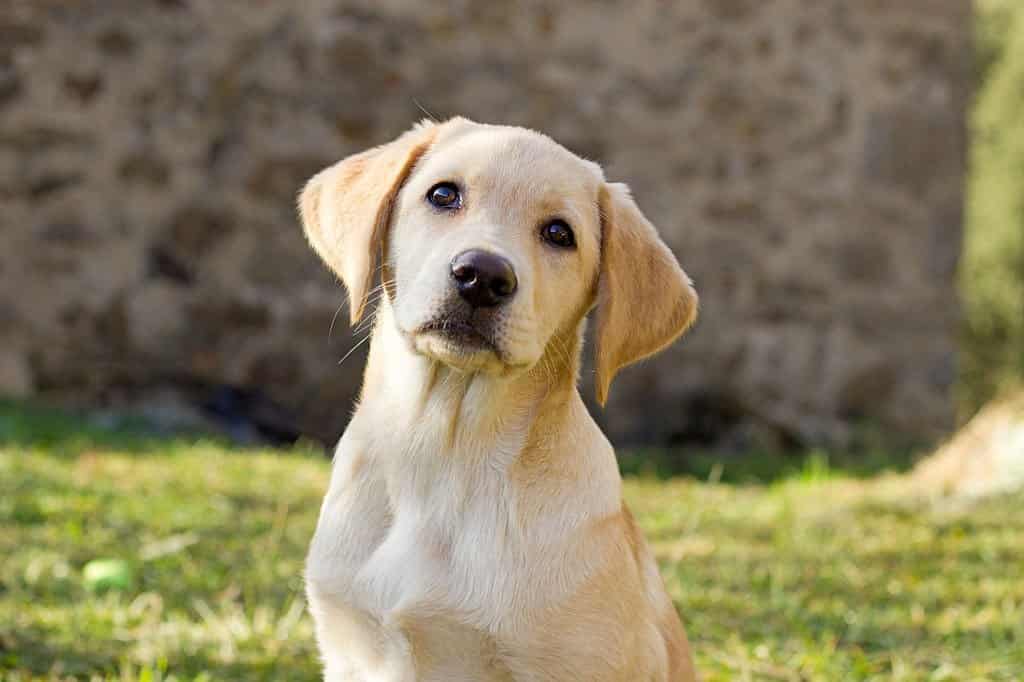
point(474, 527)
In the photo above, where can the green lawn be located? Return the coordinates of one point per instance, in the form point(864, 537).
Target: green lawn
point(813, 576)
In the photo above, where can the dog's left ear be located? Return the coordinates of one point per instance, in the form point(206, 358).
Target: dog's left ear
point(346, 209)
point(644, 299)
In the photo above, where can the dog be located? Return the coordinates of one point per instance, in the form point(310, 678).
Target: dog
point(474, 527)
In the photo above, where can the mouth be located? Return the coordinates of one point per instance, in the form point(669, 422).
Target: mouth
point(458, 343)
point(459, 333)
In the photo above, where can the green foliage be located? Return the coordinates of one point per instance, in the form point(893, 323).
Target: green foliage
point(992, 274)
point(814, 576)
point(763, 467)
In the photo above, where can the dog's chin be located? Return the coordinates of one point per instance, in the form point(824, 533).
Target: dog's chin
point(464, 354)
point(462, 347)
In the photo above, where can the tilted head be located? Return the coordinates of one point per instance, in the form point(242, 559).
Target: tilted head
point(492, 242)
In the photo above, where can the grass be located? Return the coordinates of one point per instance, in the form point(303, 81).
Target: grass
point(815, 575)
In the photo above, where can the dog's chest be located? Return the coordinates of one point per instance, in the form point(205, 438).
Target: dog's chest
point(383, 550)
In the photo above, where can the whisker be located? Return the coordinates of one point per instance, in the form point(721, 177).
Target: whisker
point(559, 354)
point(372, 298)
point(334, 319)
point(563, 348)
point(353, 349)
point(424, 110)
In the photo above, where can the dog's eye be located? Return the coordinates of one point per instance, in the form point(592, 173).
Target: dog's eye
point(558, 233)
point(444, 195)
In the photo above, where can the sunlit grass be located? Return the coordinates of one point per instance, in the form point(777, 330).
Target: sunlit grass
point(814, 575)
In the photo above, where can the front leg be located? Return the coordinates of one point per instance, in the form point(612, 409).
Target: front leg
point(355, 645)
point(354, 520)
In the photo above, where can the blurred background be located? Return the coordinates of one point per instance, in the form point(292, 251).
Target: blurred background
point(806, 161)
point(842, 179)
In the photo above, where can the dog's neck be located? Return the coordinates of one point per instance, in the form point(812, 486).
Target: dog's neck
point(470, 412)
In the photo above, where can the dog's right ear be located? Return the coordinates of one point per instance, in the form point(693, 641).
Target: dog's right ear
point(346, 209)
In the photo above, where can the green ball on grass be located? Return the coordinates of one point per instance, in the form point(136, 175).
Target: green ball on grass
point(100, 575)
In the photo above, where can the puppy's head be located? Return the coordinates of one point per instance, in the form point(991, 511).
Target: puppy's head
point(493, 241)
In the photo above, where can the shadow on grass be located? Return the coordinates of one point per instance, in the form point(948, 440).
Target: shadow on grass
point(68, 433)
point(61, 432)
point(758, 467)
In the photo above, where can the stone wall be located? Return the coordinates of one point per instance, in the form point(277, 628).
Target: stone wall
point(804, 159)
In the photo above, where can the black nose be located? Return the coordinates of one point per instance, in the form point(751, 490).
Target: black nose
point(483, 279)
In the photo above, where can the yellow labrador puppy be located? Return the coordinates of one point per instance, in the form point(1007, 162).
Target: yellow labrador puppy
point(474, 528)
